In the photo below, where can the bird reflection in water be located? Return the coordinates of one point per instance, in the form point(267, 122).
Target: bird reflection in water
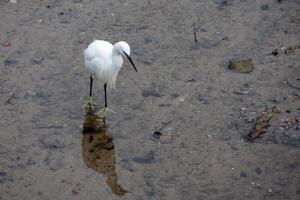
point(98, 150)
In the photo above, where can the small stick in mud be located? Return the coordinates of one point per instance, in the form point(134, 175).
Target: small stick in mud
point(164, 125)
point(291, 85)
point(195, 34)
point(11, 96)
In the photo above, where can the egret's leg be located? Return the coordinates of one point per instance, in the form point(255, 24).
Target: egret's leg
point(90, 103)
point(105, 110)
point(91, 85)
point(105, 85)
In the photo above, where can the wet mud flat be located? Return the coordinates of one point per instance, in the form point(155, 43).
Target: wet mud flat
point(187, 126)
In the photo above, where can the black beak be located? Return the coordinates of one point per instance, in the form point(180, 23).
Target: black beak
point(130, 60)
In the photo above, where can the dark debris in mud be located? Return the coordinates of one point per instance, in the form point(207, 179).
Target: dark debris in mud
point(47, 142)
point(243, 174)
point(76, 189)
point(10, 98)
point(264, 7)
point(269, 126)
point(286, 50)
point(4, 177)
point(147, 159)
point(204, 99)
point(262, 123)
point(156, 135)
point(149, 93)
point(54, 161)
point(10, 61)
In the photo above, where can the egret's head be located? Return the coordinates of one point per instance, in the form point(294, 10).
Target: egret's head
point(124, 49)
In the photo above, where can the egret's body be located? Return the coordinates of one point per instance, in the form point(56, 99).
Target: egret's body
point(104, 61)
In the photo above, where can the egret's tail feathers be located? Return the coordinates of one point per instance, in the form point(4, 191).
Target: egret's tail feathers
point(113, 80)
point(113, 83)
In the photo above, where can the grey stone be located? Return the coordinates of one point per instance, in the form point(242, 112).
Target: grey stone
point(242, 66)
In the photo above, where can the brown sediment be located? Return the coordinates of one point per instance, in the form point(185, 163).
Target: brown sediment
point(262, 124)
point(99, 152)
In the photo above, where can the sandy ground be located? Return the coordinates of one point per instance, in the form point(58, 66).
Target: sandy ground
point(183, 89)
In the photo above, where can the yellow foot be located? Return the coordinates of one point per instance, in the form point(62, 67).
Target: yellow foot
point(90, 104)
point(104, 111)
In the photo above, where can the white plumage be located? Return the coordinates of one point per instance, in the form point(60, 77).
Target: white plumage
point(104, 61)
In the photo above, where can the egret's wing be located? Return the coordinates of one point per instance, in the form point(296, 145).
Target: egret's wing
point(98, 59)
point(99, 49)
point(103, 73)
point(91, 63)
point(97, 55)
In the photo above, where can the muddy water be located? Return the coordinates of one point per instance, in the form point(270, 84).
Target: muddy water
point(98, 150)
point(180, 123)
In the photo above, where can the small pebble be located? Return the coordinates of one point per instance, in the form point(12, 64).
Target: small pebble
point(36, 61)
point(264, 7)
point(242, 66)
point(275, 52)
point(174, 95)
point(6, 44)
point(243, 174)
point(191, 80)
point(9, 62)
point(204, 99)
point(157, 135)
point(270, 190)
point(148, 40)
point(258, 171)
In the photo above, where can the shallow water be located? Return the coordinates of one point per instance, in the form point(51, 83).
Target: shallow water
point(183, 90)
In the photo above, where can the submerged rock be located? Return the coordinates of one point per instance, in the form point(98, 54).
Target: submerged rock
point(9, 62)
point(148, 93)
point(147, 159)
point(264, 7)
point(156, 135)
point(242, 66)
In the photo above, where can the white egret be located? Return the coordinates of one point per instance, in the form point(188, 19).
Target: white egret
point(104, 61)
